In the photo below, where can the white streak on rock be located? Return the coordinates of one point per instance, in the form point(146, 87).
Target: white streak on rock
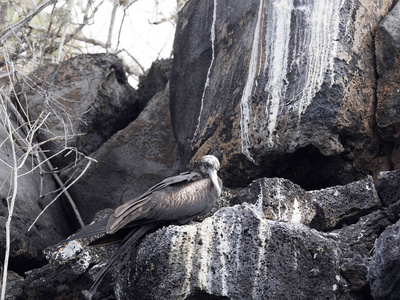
point(322, 49)
point(296, 215)
point(209, 68)
point(224, 250)
point(264, 234)
point(248, 89)
point(260, 197)
point(238, 244)
point(277, 37)
point(282, 207)
point(205, 253)
point(69, 251)
point(187, 248)
point(296, 259)
point(182, 242)
point(313, 53)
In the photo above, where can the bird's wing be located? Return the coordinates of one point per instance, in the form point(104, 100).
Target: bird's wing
point(180, 202)
point(140, 207)
point(140, 203)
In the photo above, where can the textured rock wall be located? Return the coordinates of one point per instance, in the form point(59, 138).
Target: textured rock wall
point(299, 89)
point(263, 79)
point(238, 254)
point(26, 247)
point(88, 98)
point(388, 88)
point(129, 162)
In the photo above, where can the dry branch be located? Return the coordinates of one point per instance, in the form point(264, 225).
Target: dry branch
point(14, 28)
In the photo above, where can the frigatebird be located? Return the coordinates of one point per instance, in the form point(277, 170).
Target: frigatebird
point(178, 199)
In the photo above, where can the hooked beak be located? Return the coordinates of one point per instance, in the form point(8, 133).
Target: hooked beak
point(214, 179)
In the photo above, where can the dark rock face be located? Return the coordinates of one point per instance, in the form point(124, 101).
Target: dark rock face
point(26, 247)
point(295, 90)
point(387, 187)
point(44, 283)
point(89, 99)
point(388, 89)
point(357, 243)
point(343, 204)
point(231, 255)
point(282, 200)
point(384, 271)
point(154, 80)
point(263, 80)
point(130, 162)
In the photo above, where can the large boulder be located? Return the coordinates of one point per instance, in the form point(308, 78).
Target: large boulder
point(32, 195)
point(88, 98)
point(282, 200)
point(131, 161)
point(344, 205)
point(264, 80)
point(384, 271)
point(235, 254)
point(154, 80)
point(259, 238)
point(387, 48)
point(387, 186)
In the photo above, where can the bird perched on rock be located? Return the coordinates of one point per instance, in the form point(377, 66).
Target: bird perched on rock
point(175, 199)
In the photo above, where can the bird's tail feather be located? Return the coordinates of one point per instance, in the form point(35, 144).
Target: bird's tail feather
point(130, 239)
point(90, 230)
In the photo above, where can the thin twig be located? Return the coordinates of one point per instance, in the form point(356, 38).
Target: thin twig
point(11, 205)
point(58, 196)
point(112, 22)
point(122, 22)
point(47, 161)
point(11, 30)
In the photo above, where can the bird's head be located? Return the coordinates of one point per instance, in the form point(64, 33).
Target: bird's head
point(209, 165)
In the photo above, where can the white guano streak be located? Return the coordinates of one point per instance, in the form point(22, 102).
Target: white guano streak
point(248, 89)
point(209, 68)
point(223, 248)
point(189, 251)
point(322, 49)
point(296, 214)
point(182, 242)
point(277, 39)
point(264, 234)
point(205, 252)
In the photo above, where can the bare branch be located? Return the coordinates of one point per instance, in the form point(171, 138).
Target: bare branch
point(11, 205)
point(58, 196)
point(43, 156)
point(11, 30)
point(112, 22)
point(163, 20)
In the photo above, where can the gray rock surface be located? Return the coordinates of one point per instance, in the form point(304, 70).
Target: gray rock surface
point(89, 99)
point(282, 200)
point(26, 247)
point(262, 81)
point(235, 254)
point(130, 162)
point(388, 60)
point(384, 271)
point(344, 204)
